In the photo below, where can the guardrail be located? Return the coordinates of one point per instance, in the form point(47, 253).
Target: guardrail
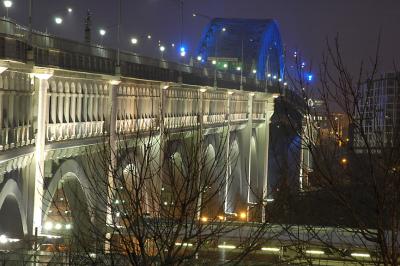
point(51, 51)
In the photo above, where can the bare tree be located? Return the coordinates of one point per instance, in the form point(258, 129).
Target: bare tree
point(163, 202)
point(344, 198)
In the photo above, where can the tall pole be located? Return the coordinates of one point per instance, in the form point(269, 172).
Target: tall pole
point(118, 70)
point(241, 69)
point(181, 11)
point(30, 24)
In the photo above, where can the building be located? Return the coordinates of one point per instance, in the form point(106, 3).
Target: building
point(378, 116)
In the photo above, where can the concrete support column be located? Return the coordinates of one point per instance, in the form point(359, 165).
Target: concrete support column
point(269, 111)
point(228, 151)
point(249, 130)
point(112, 120)
point(200, 150)
point(161, 114)
point(41, 88)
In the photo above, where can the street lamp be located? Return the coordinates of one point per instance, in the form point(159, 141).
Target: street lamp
point(58, 20)
point(162, 50)
point(69, 9)
point(134, 41)
point(102, 32)
point(7, 5)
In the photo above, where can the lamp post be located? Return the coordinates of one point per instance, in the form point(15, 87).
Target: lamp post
point(162, 50)
point(7, 4)
point(102, 33)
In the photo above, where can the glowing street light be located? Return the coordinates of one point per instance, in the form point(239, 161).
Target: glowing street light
point(134, 41)
point(238, 68)
point(102, 32)
point(254, 71)
point(58, 20)
point(199, 58)
point(69, 10)
point(3, 239)
point(48, 225)
point(162, 50)
point(223, 29)
point(149, 36)
point(183, 51)
point(214, 62)
point(7, 4)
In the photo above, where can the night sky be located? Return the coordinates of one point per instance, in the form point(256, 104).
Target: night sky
point(304, 24)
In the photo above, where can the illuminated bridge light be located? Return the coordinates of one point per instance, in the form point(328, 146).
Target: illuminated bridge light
point(184, 244)
point(224, 246)
point(315, 252)
point(270, 249)
point(360, 255)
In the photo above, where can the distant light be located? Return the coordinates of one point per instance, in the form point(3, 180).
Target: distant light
point(223, 29)
point(183, 51)
point(3, 239)
point(194, 14)
point(118, 214)
point(303, 64)
point(226, 246)
point(243, 215)
point(116, 201)
point(271, 200)
point(285, 84)
point(269, 75)
point(271, 249)
point(173, 44)
point(310, 77)
point(274, 77)
point(134, 41)
point(362, 255)
point(315, 252)
point(184, 244)
point(238, 68)
point(58, 20)
point(254, 71)
point(204, 219)
point(279, 80)
point(214, 62)
point(102, 32)
point(225, 65)
point(8, 3)
point(69, 10)
point(221, 218)
point(199, 58)
point(48, 225)
point(149, 36)
point(68, 226)
point(58, 226)
point(344, 160)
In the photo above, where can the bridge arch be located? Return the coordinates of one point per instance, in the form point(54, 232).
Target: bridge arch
point(11, 201)
point(259, 39)
point(70, 181)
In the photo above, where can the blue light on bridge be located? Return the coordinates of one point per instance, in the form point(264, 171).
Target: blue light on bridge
point(183, 51)
point(310, 77)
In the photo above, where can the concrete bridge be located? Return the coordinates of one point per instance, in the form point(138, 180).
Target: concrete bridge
point(58, 97)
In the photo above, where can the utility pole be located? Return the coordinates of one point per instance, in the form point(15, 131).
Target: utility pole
point(118, 65)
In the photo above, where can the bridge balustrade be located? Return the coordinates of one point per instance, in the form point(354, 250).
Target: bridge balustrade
point(16, 98)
